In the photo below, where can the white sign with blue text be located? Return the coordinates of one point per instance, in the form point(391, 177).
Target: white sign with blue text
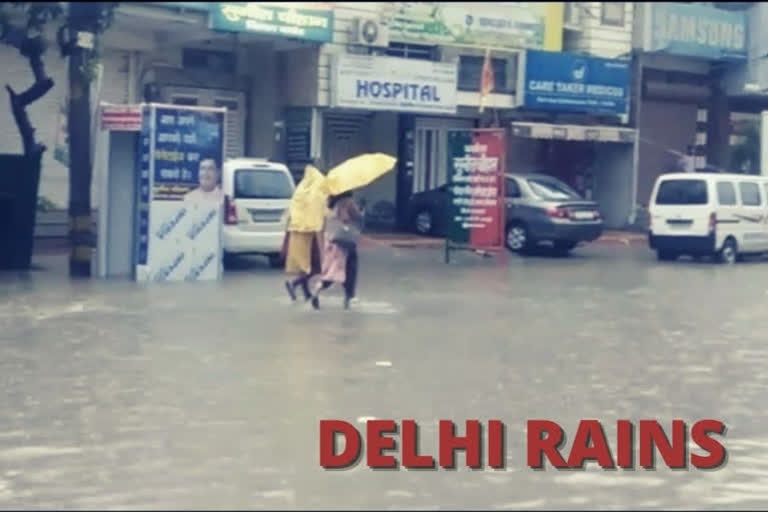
point(390, 83)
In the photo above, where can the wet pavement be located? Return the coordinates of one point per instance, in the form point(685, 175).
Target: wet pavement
point(117, 395)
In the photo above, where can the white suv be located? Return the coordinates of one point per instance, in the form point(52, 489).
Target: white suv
point(257, 194)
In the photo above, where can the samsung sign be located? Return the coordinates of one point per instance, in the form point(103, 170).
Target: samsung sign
point(389, 83)
point(695, 31)
point(564, 82)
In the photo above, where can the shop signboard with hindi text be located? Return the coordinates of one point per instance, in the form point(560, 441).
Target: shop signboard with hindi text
point(476, 165)
point(479, 24)
point(311, 21)
point(181, 201)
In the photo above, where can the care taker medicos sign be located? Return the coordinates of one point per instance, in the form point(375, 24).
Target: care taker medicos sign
point(399, 85)
point(180, 207)
point(566, 82)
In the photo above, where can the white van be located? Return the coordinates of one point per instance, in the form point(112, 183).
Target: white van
point(723, 215)
point(257, 194)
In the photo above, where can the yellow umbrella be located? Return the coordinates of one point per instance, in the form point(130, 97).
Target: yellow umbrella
point(358, 172)
point(308, 203)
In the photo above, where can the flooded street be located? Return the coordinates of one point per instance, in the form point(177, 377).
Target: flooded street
point(117, 395)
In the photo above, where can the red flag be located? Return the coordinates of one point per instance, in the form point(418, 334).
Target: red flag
point(486, 80)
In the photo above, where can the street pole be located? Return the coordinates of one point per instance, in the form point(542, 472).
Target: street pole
point(83, 19)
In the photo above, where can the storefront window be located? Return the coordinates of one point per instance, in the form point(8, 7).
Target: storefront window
point(612, 14)
point(471, 70)
point(411, 51)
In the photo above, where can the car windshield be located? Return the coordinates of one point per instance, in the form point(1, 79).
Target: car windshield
point(262, 184)
point(552, 189)
point(678, 192)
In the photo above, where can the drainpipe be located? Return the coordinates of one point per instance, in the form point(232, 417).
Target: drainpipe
point(133, 58)
point(638, 93)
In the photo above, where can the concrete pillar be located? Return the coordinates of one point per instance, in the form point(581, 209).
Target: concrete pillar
point(764, 143)
point(718, 127)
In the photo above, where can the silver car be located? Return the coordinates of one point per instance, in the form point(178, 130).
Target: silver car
point(540, 209)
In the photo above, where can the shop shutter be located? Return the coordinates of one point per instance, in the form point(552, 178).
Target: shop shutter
point(345, 136)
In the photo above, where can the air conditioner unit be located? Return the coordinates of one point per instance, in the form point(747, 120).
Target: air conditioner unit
point(369, 32)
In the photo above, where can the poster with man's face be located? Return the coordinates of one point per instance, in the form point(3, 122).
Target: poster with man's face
point(188, 154)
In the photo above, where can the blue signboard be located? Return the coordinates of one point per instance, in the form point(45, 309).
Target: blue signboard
point(573, 83)
point(696, 31)
point(186, 144)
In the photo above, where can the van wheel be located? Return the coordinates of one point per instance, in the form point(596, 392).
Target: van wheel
point(226, 260)
point(666, 255)
point(276, 260)
point(729, 253)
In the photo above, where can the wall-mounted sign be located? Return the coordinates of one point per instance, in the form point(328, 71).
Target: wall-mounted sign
point(695, 30)
point(390, 83)
point(311, 21)
point(577, 132)
point(121, 118)
point(479, 24)
point(573, 83)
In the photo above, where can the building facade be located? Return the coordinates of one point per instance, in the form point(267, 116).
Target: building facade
point(588, 91)
point(691, 62)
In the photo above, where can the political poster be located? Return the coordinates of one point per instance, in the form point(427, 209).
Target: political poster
point(476, 163)
point(183, 221)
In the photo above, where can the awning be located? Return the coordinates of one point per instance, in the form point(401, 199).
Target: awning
point(573, 132)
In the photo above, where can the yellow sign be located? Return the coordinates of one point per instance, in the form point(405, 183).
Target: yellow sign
point(514, 25)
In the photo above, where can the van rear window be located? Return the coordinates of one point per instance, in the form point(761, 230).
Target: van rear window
point(677, 192)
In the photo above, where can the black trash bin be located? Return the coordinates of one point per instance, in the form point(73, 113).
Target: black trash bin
point(19, 181)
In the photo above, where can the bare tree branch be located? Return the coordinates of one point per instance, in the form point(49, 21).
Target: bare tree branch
point(32, 49)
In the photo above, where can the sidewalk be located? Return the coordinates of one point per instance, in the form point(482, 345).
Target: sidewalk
point(405, 240)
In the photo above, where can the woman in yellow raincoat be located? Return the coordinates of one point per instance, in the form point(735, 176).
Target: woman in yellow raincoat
point(305, 222)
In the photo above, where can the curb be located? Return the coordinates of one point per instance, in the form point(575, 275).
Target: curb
point(627, 241)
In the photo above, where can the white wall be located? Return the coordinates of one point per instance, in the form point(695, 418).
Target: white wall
point(343, 14)
point(44, 113)
point(597, 39)
point(613, 182)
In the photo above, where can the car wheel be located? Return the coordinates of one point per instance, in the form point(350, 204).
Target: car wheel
point(276, 260)
point(423, 223)
point(517, 239)
point(666, 255)
point(729, 253)
point(226, 260)
point(563, 248)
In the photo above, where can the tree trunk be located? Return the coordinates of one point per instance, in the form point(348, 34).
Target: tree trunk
point(79, 128)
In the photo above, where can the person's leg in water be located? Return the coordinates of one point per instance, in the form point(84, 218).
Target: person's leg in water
point(324, 285)
point(350, 283)
point(302, 280)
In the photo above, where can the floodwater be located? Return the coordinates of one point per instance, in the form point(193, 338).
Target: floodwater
point(209, 395)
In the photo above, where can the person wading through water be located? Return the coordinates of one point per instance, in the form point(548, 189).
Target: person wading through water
point(305, 221)
point(339, 259)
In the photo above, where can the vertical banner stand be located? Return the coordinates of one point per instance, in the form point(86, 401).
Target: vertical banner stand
point(476, 165)
point(180, 204)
